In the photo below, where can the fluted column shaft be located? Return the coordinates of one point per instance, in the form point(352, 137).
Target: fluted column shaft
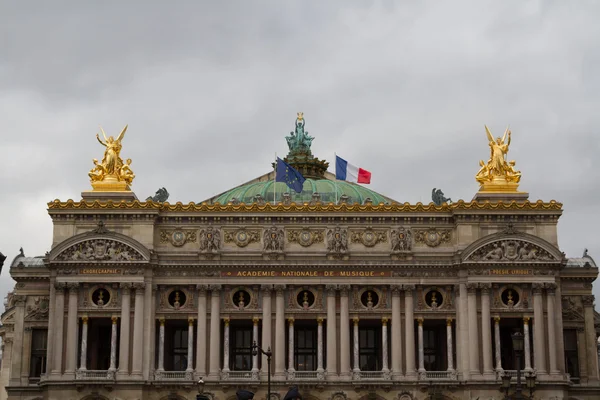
point(225, 345)
point(201, 331)
point(280, 329)
point(113, 344)
point(331, 334)
point(355, 346)
point(590, 338)
point(215, 332)
point(320, 344)
point(539, 350)
point(497, 344)
point(396, 333)
point(463, 328)
point(72, 333)
point(526, 344)
point(255, 340)
point(344, 333)
point(125, 327)
point(266, 325)
point(384, 345)
point(552, 356)
point(161, 345)
point(486, 332)
point(421, 349)
point(449, 344)
point(473, 331)
point(84, 335)
point(190, 349)
point(58, 334)
point(138, 330)
point(291, 345)
point(409, 330)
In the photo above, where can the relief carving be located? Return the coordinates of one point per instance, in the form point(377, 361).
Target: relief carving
point(337, 241)
point(100, 250)
point(433, 237)
point(273, 240)
point(369, 237)
point(38, 310)
point(305, 236)
point(401, 240)
point(510, 250)
point(178, 237)
point(210, 240)
point(242, 237)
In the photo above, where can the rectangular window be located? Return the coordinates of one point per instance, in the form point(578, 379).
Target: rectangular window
point(180, 349)
point(369, 340)
point(39, 340)
point(571, 355)
point(241, 349)
point(305, 348)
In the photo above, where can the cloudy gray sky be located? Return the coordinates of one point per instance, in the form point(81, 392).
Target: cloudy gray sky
point(210, 89)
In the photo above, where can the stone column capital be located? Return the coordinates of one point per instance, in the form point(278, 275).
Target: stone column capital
point(161, 320)
point(279, 290)
point(216, 289)
point(485, 288)
point(448, 321)
point(497, 319)
point(139, 288)
point(331, 289)
point(408, 289)
point(472, 287)
point(526, 320)
point(84, 320)
point(114, 319)
point(266, 289)
point(550, 289)
point(537, 288)
point(588, 301)
point(73, 287)
point(190, 321)
point(125, 287)
point(202, 289)
point(320, 321)
point(355, 321)
point(395, 289)
point(420, 321)
point(60, 286)
point(226, 320)
point(384, 321)
point(344, 289)
point(255, 321)
point(291, 321)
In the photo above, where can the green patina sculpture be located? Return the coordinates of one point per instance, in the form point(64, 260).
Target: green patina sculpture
point(299, 142)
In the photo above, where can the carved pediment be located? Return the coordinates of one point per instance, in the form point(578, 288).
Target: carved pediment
point(99, 250)
point(511, 250)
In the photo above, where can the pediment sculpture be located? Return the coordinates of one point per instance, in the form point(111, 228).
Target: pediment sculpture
point(511, 250)
point(100, 250)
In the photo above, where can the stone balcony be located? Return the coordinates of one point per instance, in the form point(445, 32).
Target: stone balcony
point(95, 375)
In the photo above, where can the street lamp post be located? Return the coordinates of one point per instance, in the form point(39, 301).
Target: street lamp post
point(255, 349)
point(201, 395)
point(518, 341)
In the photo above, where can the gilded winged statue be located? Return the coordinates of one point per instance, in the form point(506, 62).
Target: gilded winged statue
point(111, 168)
point(497, 166)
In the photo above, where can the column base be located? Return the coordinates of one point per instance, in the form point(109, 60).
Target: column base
point(345, 376)
point(279, 376)
point(332, 376)
point(69, 375)
point(489, 376)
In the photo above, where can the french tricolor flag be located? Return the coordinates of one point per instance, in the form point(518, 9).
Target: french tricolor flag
point(344, 171)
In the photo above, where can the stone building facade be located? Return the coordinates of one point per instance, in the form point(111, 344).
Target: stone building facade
point(356, 299)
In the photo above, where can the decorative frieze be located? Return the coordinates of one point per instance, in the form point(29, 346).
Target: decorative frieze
point(305, 237)
point(433, 237)
point(510, 250)
point(369, 237)
point(337, 242)
point(401, 239)
point(242, 237)
point(178, 236)
point(210, 240)
point(100, 250)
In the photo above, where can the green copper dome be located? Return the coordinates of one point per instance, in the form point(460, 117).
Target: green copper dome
point(328, 190)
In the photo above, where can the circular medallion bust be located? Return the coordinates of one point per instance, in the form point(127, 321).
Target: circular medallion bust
point(510, 297)
point(305, 299)
point(100, 297)
point(177, 299)
point(369, 298)
point(241, 299)
point(434, 299)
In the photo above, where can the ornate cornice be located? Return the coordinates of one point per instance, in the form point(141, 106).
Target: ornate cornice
point(294, 207)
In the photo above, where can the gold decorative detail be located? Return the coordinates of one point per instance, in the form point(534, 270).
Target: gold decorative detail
point(226, 321)
point(255, 321)
point(162, 321)
point(526, 320)
point(176, 303)
point(449, 322)
point(401, 240)
point(369, 237)
point(114, 319)
point(84, 320)
point(111, 174)
point(242, 237)
point(433, 237)
point(320, 320)
point(384, 321)
point(355, 320)
point(498, 175)
point(178, 237)
point(190, 321)
point(305, 237)
point(510, 301)
point(460, 205)
point(420, 321)
point(300, 116)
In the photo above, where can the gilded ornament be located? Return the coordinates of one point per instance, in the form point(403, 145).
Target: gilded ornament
point(305, 237)
point(242, 237)
point(498, 174)
point(111, 174)
point(433, 237)
point(178, 237)
point(369, 237)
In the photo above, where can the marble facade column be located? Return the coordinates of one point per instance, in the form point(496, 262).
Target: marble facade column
point(201, 331)
point(161, 345)
point(449, 344)
point(125, 329)
point(113, 347)
point(84, 335)
point(17, 346)
point(463, 330)
point(498, 350)
point(138, 330)
point(51, 322)
point(526, 344)
point(409, 330)
point(72, 332)
point(319, 345)
point(190, 350)
point(255, 340)
point(552, 356)
point(215, 332)
point(486, 332)
point(539, 350)
point(149, 323)
point(345, 368)
point(356, 349)
point(384, 344)
point(421, 349)
point(291, 370)
point(396, 333)
point(473, 329)
point(331, 334)
point(58, 334)
point(267, 319)
point(590, 338)
point(280, 329)
point(225, 369)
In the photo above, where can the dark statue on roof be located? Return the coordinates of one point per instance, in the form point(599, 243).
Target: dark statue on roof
point(437, 196)
point(299, 141)
point(2, 258)
point(160, 197)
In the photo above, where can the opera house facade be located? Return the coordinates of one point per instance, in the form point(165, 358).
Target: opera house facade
point(355, 295)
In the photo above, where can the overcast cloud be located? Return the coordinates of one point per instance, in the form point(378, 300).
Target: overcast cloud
point(210, 89)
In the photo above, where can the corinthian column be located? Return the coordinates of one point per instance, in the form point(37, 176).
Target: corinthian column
point(421, 349)
point(255, 340)
point(384, 343)
point(590, 338)
point(409, 330)
point(84, 334)
point(486, 332)
point(190, 355)
point(473, 331)
point(215, 329)
point(225, 368)
point(552, 356)
point(449, 344)
point(331, 334)
point(497, 344)
point(396, 333)
point(161, 345)
point(526, 344)
point(539, 351)
point(113, 346)
point(125, 325)
point(58, 335)
point(356, 348)
point(291, 368)
point(344, 333)
point(280, 329)
point(266, 324)
point(463, 330)
point(72, 330)
point(320, 345)
point(201, 331)
point(138, 330)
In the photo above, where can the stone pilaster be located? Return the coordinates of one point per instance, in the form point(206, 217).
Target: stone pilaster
point(463, 330)
point(84, 335)
point(17, 346)
point(449, 344)
point(255, 340)
point(320, 345)
point(72, 332)
point(51, 327)
point(291, 368)
point(161, 345)
point(356, 348)
point(331, 334)
point(421, 349)
point(498, 350)
point(225, 369)
point(409, 330)
point(148, 324)
point(215, 332)
point(280, 329)
point(113, 347)
point(138, 331)
point(58, 334)
point(125, 329)
point(486, 332)
point(201, 331)
point(190, 350)
point(552, 356)
point(539, 350)
point(473, 329)
point(267, 320)
point(396, 333)
point(590, 338)
point(345, 369)
point(384, 344)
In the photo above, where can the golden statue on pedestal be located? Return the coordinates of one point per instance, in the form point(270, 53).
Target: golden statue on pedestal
point(111, 174)
point(498, 175)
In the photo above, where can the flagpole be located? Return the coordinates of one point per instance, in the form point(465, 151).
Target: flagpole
point(275, 181)
point(335, 182)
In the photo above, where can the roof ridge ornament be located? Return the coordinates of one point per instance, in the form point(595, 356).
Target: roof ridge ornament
point(300, 155)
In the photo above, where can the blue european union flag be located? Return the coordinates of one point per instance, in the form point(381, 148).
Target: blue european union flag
point(288, 175)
